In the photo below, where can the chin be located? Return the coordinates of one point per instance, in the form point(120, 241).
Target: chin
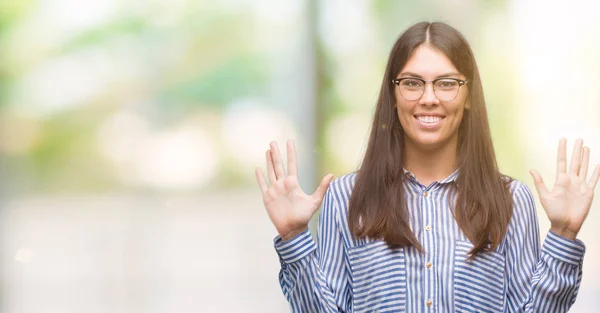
point(428, 142)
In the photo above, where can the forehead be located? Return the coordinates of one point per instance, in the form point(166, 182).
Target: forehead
point(429, 63)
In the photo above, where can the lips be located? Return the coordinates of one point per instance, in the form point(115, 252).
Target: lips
point(429, 121)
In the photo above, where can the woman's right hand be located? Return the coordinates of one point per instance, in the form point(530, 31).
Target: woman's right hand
point(289, 207)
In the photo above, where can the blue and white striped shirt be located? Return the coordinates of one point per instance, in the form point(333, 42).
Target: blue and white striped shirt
point(344, 274)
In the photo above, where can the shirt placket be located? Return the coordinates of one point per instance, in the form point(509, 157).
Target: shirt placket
point(428, 209)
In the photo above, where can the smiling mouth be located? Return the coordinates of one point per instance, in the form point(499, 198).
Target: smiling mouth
point(429, 119)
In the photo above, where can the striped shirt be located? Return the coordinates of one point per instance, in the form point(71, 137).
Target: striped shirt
point(344, 274)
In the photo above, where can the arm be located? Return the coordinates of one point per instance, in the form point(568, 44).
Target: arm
point(315, 279)
point(539, 281)
point(557, 274)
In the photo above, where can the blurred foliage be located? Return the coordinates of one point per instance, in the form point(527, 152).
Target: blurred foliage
point(11, 11)
point(67, 157)
point(240, 76)
point(201, 61)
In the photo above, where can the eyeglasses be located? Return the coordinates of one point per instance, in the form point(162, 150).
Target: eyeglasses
point(445, 89)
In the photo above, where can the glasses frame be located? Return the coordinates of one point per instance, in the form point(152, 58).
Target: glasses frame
point(396, 81)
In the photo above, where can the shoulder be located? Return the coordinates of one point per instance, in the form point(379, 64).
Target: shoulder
point(524, 210)
point(342, 185)
point(521, 193)
point(340, 190)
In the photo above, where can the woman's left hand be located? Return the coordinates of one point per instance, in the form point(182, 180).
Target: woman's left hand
point(569, 202)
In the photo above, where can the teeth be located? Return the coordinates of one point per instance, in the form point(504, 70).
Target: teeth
point(429, 119)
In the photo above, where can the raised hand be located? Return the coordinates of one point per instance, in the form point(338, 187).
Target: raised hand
point(569, 202)
point(289, 207)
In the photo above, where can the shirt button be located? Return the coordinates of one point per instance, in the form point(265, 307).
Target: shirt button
point(429, 302)
point(428, 264)
point(428, 227)
point(425, 194)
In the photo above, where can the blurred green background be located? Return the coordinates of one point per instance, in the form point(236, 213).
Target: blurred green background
point(130, 130)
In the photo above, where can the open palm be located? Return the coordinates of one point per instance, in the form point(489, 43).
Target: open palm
point(569, 201)
point(289, 207)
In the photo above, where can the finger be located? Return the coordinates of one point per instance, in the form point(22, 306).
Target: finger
point(270, 170)
point(561, 162)
point(595, 177)
point(261, 180)
point(276, 156)
point(539, 183)
point(576, 157)
point(320, 192)
point(291, 158)
point(585, 161)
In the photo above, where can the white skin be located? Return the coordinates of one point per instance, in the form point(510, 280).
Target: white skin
point(430, 155)
point(430, 151)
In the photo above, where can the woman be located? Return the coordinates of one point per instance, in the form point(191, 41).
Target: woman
point(428, 223)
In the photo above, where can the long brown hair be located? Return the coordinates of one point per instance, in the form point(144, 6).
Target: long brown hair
point(483, 207)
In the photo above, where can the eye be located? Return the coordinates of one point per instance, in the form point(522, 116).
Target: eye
point(446, 84)
point(411, 83)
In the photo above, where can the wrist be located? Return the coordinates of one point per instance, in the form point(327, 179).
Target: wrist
point(293, 233)
point(563, 232)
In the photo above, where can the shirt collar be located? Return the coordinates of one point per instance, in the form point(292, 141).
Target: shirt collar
point(450, 179)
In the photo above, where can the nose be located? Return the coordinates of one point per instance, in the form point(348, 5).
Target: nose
point(428, 97)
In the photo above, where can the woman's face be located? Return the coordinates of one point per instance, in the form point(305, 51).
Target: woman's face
point(429, 122)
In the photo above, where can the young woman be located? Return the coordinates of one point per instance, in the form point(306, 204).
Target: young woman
point(428, 223)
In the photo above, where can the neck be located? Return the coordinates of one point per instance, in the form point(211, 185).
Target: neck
point(431, 164)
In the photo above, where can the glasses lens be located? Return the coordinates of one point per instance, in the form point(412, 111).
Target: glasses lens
point(411, 89)
point(446, 89)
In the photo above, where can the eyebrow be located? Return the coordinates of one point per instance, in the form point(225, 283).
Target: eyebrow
point(411, 74)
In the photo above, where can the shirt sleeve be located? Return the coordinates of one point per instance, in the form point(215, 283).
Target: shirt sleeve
point(315, 278)
point(539, 280)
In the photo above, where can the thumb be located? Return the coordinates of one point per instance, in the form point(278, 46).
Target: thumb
point(320, 192)
point(539, 182)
